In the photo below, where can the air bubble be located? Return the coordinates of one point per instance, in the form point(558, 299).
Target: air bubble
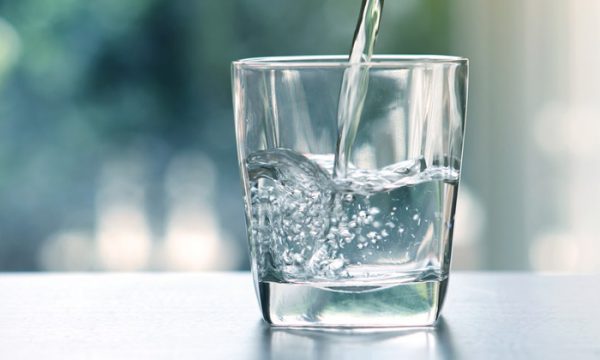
point(298, 259)
point(416, 217)
point(345, 233)
point(336, 264)
point(374, 211)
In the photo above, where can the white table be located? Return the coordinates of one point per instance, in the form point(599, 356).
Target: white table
point(215, 316)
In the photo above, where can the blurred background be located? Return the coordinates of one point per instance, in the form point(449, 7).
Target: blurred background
point(117, 148)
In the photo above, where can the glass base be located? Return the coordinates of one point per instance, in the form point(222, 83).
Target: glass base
point(414, 304)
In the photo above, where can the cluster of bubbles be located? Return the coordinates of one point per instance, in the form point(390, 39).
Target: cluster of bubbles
point(304, 226)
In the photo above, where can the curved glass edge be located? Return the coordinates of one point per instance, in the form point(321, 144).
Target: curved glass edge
point(341, 61)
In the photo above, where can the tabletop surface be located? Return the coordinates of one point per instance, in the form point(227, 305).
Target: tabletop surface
point(216, 316)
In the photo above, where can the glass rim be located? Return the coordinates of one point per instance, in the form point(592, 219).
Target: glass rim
point(341, 61)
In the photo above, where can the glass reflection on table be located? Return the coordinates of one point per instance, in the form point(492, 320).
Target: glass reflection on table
point(418, 343)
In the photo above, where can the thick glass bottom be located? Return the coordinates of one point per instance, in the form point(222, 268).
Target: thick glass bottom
point(305, 305)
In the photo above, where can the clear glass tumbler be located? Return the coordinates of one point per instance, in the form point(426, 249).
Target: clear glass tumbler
point(371, 247)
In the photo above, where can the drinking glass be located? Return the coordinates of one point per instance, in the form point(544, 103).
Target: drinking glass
point(370, 247)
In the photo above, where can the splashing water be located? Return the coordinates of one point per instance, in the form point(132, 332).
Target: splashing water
point(373, 225)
